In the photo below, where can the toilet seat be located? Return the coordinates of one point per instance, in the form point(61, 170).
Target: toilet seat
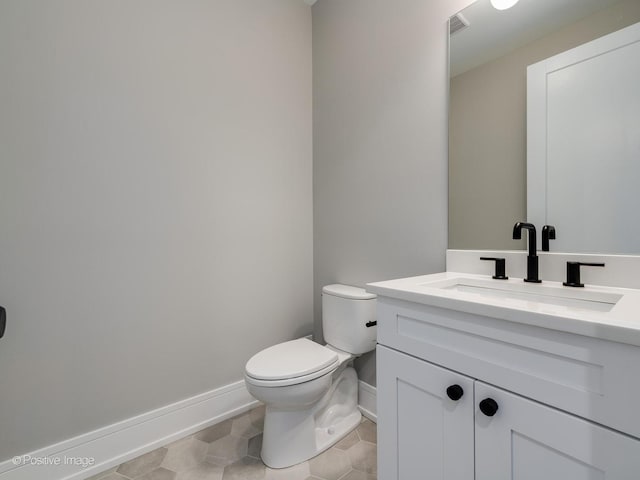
point(291, 363)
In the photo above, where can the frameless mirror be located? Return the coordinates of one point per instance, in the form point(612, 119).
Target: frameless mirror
point(490, 51)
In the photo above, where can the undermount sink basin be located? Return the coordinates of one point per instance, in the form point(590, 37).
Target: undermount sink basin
point(532, 293)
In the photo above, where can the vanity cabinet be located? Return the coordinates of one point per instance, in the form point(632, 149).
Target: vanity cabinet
point(527, 440)
point(422, 433)
point(536, 432)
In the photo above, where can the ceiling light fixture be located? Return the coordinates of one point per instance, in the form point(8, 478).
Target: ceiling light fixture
point(503, 4)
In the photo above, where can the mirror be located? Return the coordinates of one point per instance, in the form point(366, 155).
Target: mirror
point(488, 109)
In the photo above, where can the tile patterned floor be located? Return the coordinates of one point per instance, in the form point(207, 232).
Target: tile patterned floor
point(231, 451)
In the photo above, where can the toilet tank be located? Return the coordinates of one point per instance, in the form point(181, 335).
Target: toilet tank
point(346, 311)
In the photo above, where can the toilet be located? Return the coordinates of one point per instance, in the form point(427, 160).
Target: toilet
point(310, 390)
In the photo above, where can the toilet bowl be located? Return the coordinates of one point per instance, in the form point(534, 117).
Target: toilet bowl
point(310, 390)
point(305, 413)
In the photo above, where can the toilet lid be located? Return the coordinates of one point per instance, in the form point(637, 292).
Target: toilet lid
point(289, 360)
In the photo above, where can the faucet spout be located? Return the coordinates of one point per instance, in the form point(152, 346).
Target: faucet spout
point(517, 235)
point(548, 233)
point(532, 257)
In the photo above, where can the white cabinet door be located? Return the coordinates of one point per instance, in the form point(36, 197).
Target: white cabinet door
point(526, 440)
point(422, 433)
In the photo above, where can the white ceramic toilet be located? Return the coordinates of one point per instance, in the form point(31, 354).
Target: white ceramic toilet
point(310, 390)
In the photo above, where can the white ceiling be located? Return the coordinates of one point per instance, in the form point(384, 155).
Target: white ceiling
point(493, 33)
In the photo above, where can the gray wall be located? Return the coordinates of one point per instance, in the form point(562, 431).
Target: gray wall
point(155, 203)
point(380, 142)
point(487, 151)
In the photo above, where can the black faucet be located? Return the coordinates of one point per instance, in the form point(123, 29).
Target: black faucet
point(548, 233)
point(532, 258)
point(573, 273)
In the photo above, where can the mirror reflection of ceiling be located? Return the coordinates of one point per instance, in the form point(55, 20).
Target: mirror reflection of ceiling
point(493, 33)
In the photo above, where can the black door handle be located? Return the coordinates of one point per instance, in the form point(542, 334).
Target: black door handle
point(489, 407)
point(3, 321)
point(455, 392)
point(373, 323)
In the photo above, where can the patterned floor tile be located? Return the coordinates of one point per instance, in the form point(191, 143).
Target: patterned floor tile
point(215, 432)
point(158, 474)
point(246, 426)
point(297, 472)
point(255, 446)
point(356, 475)
point(143, 464)
point(203, 471)
point(102, 475)
point(227, 450)
point(363, 457)
point(109, 476)
point(367, 431)
point(185, 454)
point(331, 465)
point(347, 442)
point(230, 450)
point(247, 468)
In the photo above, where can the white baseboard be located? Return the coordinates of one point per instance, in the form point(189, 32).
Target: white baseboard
point(367, 401)
point(122, 441)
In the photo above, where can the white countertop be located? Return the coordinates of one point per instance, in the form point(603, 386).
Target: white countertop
point(620, 324)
